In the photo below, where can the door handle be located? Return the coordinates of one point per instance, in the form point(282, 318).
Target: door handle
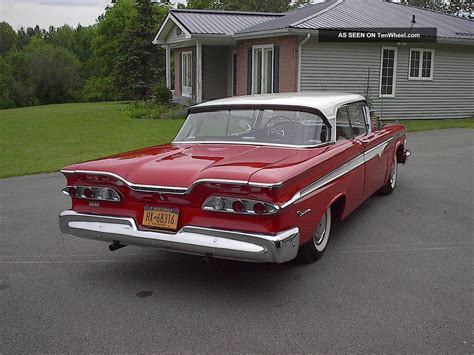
point(365, 141)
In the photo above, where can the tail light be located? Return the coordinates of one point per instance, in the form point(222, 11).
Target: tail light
point(93, 193)
point(241, 206)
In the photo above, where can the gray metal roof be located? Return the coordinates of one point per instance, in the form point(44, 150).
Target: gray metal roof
point(377, 13)
point(331, 14)
point(220, 22)
point(290, 18)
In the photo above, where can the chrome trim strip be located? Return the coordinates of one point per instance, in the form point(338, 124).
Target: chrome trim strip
point(270, 145)
point(171, 189)
point(340, 171)
point(225, 244)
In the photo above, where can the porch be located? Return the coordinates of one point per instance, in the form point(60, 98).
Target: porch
point(201, 72)
point(205, 61)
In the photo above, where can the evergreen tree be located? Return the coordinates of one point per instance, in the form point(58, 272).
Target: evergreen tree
point(139, 64)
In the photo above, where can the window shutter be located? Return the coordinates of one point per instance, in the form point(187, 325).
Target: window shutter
point(249, 71)
point(193, 71)
point(276, 69)
point(179, 84)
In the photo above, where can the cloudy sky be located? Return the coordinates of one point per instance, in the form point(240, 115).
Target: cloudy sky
point(51, 12)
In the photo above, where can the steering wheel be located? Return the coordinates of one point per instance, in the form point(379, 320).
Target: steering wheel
point(279, 129)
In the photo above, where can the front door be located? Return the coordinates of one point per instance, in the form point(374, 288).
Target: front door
point(262, 67)
point(374, 148)
point(187, 74)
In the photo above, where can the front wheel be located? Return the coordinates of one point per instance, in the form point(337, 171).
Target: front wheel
point(314, 249)
point(389, 186)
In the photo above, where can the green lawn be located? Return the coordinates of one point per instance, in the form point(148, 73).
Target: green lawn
point(46, 138)
point(427, 125)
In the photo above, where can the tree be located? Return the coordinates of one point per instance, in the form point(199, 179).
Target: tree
point(8, 38)
point(461, 8)
point(110, 28)
point(139, 64)
point(243, 5)
point(16, 88)
point(53, 73)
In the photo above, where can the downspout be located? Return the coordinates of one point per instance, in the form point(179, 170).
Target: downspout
point(300, 48)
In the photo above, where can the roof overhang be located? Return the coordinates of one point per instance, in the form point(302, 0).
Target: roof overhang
point(167, 26)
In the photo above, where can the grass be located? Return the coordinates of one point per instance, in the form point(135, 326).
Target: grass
point(428, 125)
point(46, 138)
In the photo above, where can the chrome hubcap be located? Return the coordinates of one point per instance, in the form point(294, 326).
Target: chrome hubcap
point(320, 232)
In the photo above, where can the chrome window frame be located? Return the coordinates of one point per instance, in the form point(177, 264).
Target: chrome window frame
point(366, 116)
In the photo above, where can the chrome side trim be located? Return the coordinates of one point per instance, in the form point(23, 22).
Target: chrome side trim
point(226, 244)
point(326, 179)
point(340, 171)
point(172, 189)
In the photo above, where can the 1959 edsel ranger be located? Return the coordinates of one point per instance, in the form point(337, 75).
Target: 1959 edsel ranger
point(256, 178)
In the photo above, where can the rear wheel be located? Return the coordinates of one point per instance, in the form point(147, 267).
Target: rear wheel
point(391, 183)
point(313, 250)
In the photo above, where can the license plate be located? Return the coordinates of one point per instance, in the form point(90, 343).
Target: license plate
point(160, 217)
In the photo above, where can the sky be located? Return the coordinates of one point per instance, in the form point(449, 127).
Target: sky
point(29, 13)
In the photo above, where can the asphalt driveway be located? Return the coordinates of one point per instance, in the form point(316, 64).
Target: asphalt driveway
point(397, 276)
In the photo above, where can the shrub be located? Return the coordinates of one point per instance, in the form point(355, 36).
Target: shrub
point(149, 110)
point(163, 95)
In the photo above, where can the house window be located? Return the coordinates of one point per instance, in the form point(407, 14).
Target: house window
point(388, 72)
point(262, 69)
point(421, 64)
point(187, 74)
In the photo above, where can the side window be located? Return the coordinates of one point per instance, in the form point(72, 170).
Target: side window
point(357, 118)
point(343, 126)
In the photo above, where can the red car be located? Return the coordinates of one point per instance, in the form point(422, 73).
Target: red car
point(256, 178)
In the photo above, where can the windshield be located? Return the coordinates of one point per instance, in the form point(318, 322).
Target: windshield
point(255, 126)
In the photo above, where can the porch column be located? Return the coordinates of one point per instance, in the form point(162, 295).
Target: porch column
point(168, 66)
point(198, 72)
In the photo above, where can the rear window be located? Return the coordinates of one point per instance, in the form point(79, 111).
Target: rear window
point(258, 126)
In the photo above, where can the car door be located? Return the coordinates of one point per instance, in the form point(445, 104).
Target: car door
point(353, 156)
point(374, 147)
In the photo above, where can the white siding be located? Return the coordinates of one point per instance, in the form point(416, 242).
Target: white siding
point(344, 67)
point(173, 36)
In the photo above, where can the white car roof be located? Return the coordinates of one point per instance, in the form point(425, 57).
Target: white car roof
point(326, 102)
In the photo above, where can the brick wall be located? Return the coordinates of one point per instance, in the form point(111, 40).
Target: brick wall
point(288, 62)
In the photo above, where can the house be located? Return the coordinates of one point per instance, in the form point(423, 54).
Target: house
point(224, 53)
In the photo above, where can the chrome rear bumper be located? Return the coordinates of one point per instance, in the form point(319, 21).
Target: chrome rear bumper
point(217, 243)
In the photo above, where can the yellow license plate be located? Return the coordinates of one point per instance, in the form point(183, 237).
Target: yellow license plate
point(160, 217)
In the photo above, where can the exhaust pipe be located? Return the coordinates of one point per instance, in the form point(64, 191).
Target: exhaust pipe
point(116, 246)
